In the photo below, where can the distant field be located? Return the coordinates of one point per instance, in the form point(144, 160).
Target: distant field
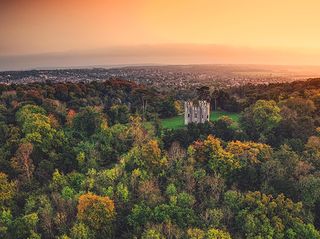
point(178, 121)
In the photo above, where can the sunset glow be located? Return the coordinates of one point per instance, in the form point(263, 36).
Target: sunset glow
point(34, 27)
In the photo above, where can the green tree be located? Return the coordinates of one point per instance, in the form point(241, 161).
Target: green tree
point(151, 234)
point(6, 221)
point(24, 227)
point(225, 128)
point(80, 231)
point(260, 119)
point(261, 216)
point(89, 121)
point(36, 126)
point(310, 190)
point(312, 151)
point(119, 114)
point(140, 214)
point(280, 173)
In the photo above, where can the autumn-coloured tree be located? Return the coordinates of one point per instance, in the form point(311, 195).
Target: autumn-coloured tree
point(176, 152)
point(151, 234)
point(151, 153)
point(149, 192)
point(7, 190)
point(211, 151)
point(22, 162)
point(98, 213)
point(195, 233)
point(136, 131)
point(80, 231)
point(249, 153)
point(217, 234)
point(70, 116)
point(53, 121)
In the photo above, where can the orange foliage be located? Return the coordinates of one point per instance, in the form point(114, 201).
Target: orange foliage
point(96, 211)
point(70, 116)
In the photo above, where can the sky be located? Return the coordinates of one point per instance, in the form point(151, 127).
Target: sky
point(43, 33)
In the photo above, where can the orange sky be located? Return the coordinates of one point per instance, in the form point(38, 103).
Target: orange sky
point(43, 26)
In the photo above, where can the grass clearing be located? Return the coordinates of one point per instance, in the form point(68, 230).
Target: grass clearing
point(217, 114)
point(173, 123)
point(178, 121)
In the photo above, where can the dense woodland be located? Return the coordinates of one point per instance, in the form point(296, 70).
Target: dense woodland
point(91, 160)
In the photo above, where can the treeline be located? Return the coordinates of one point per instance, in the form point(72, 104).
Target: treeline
point(236, 99)
point(56, 98)
point(79, 161)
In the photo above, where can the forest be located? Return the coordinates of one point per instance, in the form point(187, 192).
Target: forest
point(92, 160)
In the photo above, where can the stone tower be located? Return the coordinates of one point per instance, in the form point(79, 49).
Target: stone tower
point(196, 112)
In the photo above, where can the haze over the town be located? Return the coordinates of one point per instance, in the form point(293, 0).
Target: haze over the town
point(61, 33)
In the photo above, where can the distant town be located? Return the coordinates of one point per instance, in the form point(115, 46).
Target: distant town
point(168, 77)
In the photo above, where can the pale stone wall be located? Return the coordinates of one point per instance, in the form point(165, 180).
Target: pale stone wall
point(196, 112)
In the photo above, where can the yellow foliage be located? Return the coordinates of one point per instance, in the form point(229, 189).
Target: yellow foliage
point(152, 154)
point(249, 152)
point(96, 211)
point(7, 189)
point(178, 106)
point(195, 233)
point(211, 151)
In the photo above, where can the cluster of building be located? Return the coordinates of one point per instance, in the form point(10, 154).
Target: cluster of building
point(161, 77)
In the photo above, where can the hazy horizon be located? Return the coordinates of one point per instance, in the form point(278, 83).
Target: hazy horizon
point(162, 54)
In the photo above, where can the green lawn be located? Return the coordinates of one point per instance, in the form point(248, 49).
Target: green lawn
point(173, 123)
point(217, 114)
point(178, 121)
